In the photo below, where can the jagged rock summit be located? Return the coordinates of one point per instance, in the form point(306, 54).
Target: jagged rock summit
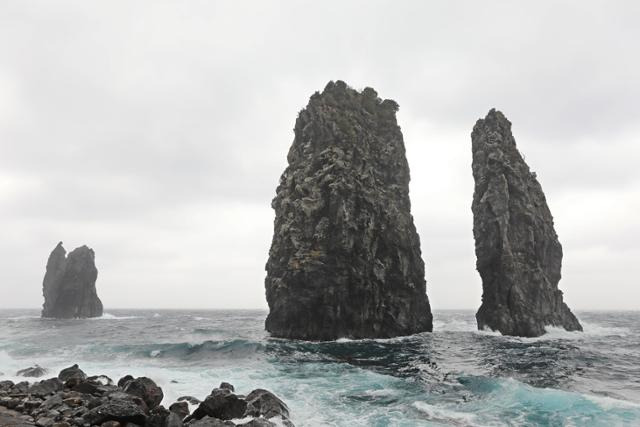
point(345, 259)
point(69, 285)
point(517, 249)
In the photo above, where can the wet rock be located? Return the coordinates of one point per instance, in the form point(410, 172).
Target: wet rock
point(518, 253)
point(30, 405)
point(52, 402)
point(45, 422)
point(9, 402)
point(221, 404)
point(101, 379)
point(122, 411)
point(146, 389)
point(46, 387)
point(73, 371)
point(192, 400)
point(258, 422)
point(157, 417)
point(69, 285)
point(180, 408)
point(263, 403)
point(118, 396)
point(227, 386)
point(174, 420)
point(210, 422)
point(6, 385)
point(11, 418)
point(345, 259)
point(87, 387)
point(33, 372)
point(122, 382)
point(21, 387)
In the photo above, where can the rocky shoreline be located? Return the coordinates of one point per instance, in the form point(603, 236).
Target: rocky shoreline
point(75, 399)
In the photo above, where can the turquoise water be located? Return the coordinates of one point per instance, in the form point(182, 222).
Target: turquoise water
point(455, 376)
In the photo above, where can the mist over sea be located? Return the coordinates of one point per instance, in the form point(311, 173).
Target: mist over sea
point(455, 376)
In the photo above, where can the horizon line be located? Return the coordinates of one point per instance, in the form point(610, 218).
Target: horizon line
point(267, 309)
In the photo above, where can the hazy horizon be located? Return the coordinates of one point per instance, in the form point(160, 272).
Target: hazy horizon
point(156, 134)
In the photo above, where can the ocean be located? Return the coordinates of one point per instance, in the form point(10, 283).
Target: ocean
point(455, 376)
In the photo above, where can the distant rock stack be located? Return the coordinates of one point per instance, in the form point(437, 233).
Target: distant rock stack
point(517, 249)
point(69, 285)
point(345, 259)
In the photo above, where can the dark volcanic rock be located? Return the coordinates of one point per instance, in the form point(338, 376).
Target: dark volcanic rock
point(263, 403)
point(72, 371)
point(221, 404)
point(69, 285)
point(345, 259)
point(9, 418)
point(122, 382)
point(517, 249)
point(145, 389)
point(117, 410)
point(34, 372)
point(180, 408)
point(46, 387)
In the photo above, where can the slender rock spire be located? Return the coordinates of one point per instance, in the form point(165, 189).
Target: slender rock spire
point(517, 249)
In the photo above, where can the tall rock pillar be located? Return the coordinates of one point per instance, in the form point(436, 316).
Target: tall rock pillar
point(517, 249)
point(69, 285)
point(345, 259)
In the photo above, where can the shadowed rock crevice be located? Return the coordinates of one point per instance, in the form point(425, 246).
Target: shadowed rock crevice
point(345, 259)
point(518, 253)
point(69, 285)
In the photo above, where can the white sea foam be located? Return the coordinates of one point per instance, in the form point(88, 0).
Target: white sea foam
point(109, 316)
point(23, 317)
point(444, 415)
point(381, 392)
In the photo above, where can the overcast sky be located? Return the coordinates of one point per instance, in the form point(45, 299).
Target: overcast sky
point(156, 132)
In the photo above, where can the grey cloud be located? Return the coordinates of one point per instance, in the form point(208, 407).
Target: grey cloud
point(157, 131)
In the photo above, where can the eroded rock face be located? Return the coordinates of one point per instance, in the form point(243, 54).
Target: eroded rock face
point(345, 259)
point(69, 285)
point(517, 249)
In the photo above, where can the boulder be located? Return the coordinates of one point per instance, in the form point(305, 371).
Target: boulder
point(227, 386)
point(145, 389)
point(10, 418)
point(6, 385)
point(122, 382)
point(69, 285)
point(180, 408)
point(73, 371)
point(101, 379)
point(33, 372)
point(158, 417)
point(46, 387)
point(263, 403)
point(518, 253)
point(345, 260)
point(122, 411)
point(221, 404)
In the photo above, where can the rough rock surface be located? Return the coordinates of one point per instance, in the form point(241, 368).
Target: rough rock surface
point(69, 285)
point(146, 389)
point(34, 371)
point(345, 259)
point(517, 249)
point(96, 401)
